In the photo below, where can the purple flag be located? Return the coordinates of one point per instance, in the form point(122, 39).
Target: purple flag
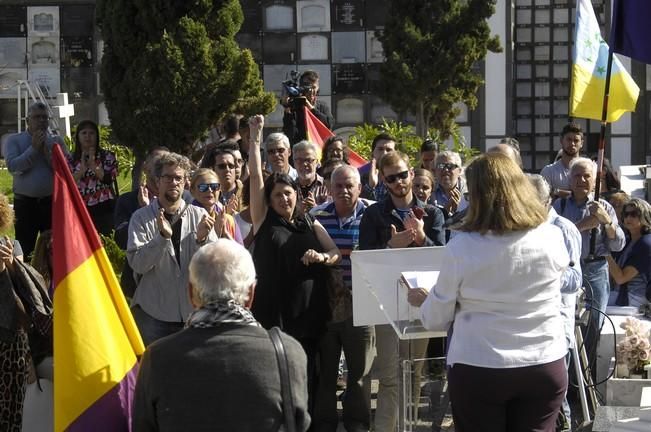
point(631, 29)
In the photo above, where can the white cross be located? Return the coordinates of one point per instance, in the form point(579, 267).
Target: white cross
point(64, 110)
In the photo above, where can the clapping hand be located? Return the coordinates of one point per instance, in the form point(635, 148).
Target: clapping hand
point(6, 254)
point(401, 239)
point(373, 175)
point(417, 225)
point(203, 229)
point(164, 226)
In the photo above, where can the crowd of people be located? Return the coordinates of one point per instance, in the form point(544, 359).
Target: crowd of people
point(258, 233)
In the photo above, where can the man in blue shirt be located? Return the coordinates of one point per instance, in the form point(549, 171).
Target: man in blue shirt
point(341, 219)
point(587, 213)
point(29, 160)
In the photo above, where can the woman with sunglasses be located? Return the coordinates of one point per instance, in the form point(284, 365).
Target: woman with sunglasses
point(291, 252)
point(632, 268)
point(500, 291)
point(205, 191)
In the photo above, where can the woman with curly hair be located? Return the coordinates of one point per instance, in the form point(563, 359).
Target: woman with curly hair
point(95, 170)
point(632, 268)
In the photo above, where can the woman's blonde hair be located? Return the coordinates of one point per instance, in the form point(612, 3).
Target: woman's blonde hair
point(502, 200)
point(6, 213)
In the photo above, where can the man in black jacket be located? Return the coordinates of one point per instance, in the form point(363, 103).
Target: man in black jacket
point(397, 222)
point(309, 80)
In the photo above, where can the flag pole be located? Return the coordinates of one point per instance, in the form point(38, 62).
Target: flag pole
point(601, 150)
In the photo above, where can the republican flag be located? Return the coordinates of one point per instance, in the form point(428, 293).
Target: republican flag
point(318, 133)
point(95, 338)
point(589, 67)
point(631, 32)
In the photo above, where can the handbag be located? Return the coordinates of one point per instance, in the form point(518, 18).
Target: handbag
point(285, 383)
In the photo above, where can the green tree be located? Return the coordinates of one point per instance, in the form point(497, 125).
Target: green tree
point(172, 68)
point(432, 48)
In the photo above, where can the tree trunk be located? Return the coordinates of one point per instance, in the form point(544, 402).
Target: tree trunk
point(421, 127)
point(136, 172)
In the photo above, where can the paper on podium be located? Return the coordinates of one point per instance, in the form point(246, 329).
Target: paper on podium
point(377, 296)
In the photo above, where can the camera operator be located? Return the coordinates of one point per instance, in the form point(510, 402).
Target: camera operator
point(308, 86)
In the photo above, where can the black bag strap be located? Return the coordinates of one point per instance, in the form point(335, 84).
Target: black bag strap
point(285, 383)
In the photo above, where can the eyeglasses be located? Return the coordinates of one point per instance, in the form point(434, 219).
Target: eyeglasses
point(634, 213)
point(449, 166)
point(309, 161)
point(203, 187)
point(226, 166)
point(169, 178)
point(278, 150)
point(391, 178)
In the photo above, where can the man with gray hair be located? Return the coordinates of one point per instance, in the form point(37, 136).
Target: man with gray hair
point(571, 280)
point(341, 219)
point(311, 187)
point(219, 372)
point(163, 236)
point(278, 151)
point(29, 160)
point(588, 213)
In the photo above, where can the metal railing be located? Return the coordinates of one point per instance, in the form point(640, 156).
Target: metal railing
point(29, 93)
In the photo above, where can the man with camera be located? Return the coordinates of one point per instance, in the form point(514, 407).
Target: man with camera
point(304, 94)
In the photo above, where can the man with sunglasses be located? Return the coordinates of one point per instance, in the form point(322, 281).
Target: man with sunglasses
point(278, 151)
point(450, 188)
point(163, 237)
point(224, 162)
point(396, 222)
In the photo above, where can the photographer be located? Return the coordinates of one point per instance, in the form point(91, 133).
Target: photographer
point(308, 92)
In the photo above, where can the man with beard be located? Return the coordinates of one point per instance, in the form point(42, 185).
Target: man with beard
point(163, 236)
point(312, 189)
point(372, 185)
point(341, 219)
point(557, 173)
point(224, 161)
point(397, 222)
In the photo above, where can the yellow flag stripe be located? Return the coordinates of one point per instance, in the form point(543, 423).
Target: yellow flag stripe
point(95, 338)
point(588, 94)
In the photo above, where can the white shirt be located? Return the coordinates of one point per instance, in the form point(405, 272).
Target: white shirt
point(503, 294)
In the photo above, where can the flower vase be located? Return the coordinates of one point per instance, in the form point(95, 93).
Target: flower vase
point(622, 370)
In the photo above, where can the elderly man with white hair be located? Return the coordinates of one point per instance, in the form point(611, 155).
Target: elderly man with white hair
point(311, 186)
point(220, 372)
point(588, 214)
point(278, 151)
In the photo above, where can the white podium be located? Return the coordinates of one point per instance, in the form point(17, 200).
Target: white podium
point(380, 298)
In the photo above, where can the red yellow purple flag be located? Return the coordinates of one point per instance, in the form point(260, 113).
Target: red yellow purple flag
point(318, 133)
point(96, 340)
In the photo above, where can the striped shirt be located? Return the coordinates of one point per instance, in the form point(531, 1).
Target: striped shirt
point(343, 231)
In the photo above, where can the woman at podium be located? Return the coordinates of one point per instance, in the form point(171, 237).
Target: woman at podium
point(499, 291)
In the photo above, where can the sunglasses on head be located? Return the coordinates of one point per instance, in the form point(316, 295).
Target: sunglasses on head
point(391, 178)
point(203, 187)
point(447, 166)
point(634, 213)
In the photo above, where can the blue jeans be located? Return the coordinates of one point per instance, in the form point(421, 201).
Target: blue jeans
point(152, 329)
point(596, 273)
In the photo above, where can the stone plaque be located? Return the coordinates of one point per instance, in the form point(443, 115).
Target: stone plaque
point(372, 77)
point(43, 20)
point(374, 50)
point(348, 47)
point(43, 51)
point(313, 15)
point(278, 16)
point(13, 21)
point(13, 52)
point(279, 48)
point(348, 15)
point(77, 20)
point(349, 78)
point(350, 111)
point(274, 75)
point(77, 52)
point(48, 79)
point(314, 47)
point(380, 110)
point(325, 77)
point(376, 13)
point(9, 81)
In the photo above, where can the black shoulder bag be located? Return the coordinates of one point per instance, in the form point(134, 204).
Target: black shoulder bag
point(285, 382)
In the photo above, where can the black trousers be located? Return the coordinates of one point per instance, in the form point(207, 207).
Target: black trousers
point(509, 400)
point(33, 215)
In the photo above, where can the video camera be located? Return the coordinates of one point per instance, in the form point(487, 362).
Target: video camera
point(293, 89)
